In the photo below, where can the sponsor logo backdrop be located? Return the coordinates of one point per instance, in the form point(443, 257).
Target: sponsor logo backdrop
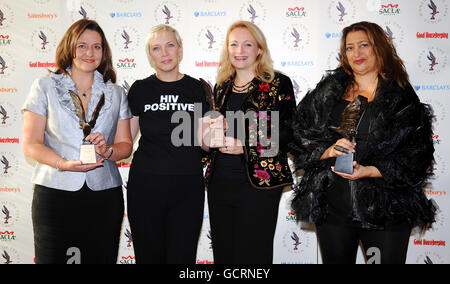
point(303, 37)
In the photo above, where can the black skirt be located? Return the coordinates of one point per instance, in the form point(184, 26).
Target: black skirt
point(81, 227)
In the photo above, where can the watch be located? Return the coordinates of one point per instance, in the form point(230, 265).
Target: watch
point(111, 151)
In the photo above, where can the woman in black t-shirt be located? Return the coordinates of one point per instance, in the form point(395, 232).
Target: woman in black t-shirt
point(165, 186)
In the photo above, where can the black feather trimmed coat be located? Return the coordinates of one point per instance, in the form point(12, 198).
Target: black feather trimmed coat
point(400, 147)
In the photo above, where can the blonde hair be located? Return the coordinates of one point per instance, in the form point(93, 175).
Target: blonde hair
point(162, 28)
point(263, 66)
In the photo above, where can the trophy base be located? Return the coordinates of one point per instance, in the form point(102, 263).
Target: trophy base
point(87, 154)
point(217, 138)
point(344, 164)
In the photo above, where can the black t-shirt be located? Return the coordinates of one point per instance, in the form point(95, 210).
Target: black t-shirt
point(161, 149)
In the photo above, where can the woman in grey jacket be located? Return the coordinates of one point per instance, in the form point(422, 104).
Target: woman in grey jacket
point(77, 207)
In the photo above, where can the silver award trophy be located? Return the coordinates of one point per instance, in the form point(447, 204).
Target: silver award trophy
point(348, 128)
point(87, 149)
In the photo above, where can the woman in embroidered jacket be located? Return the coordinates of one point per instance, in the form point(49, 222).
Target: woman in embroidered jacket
point(77, 208)
point(383, 199)
point(247, 175)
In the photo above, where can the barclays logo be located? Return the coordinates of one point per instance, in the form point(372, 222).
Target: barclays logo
point(333, 35)
point(125, 14)
point(298, 63)
point(210, 14)
point(432, 87)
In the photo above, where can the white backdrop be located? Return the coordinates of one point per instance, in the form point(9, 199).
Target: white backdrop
point(418, 33)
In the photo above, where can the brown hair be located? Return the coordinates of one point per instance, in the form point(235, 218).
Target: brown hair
point(66, 50)
point(390, 65)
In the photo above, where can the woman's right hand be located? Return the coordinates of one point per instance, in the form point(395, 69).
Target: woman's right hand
point(78, 166)
point(331, 152)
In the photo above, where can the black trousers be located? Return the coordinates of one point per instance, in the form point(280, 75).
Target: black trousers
point(339, 243)
point(165, 215)
point(243, 222)
point(81, 227)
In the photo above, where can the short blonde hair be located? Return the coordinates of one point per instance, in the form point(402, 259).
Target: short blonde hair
point(162, 28)
point(263, 65)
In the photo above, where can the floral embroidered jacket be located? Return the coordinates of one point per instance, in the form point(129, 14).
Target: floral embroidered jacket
point(266, 163)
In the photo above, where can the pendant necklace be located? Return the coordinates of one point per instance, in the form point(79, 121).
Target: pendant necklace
point(84, 92)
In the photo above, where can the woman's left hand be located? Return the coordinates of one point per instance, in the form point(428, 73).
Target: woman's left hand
point(99, 141)
point(360, 172)
point(233, 146)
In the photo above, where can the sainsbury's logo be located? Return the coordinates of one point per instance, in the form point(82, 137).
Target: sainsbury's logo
point(9, 90)
point(50, 16)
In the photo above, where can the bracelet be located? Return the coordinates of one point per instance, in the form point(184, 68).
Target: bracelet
point(111, 151)
point(58, 162)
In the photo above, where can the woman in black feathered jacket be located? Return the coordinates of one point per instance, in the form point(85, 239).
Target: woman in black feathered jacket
point(383, 199)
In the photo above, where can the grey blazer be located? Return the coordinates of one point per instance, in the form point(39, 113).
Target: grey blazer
point(49, 97)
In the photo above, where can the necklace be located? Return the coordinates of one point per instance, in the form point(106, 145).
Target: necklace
point(243, 88)
point(84, 92)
